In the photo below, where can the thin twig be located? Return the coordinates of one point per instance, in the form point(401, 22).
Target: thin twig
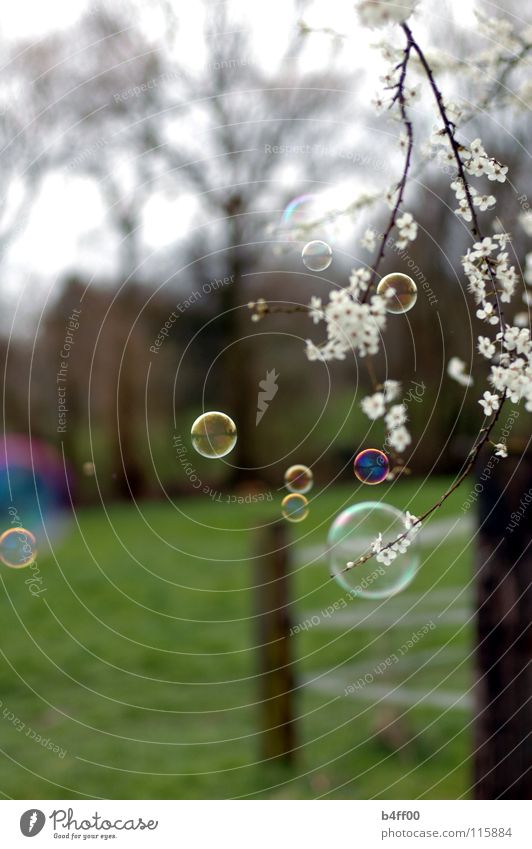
point(400, 98)
point(482, 439)
point(448, 126)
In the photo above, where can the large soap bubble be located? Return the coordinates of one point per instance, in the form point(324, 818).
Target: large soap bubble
point(351, 536)
point(299, 216)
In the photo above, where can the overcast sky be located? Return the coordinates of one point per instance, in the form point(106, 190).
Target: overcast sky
point(65, 227)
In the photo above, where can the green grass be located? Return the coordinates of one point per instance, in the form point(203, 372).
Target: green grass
point(139, 661)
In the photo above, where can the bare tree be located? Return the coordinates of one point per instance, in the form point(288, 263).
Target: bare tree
point(140, 123)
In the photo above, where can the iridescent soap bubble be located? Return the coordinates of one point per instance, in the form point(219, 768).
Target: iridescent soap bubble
point(317, 255)
point(18, 548)
point(36, 487)
point(298, 478)
point(399, 292)
point(371, 466)
point(351, 536)
point(299, 214)
point(294, 507)
point(213, 434)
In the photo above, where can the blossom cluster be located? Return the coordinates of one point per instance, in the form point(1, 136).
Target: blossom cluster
point(511, 374)
point(476, 163)
point(351, 326)
point(486, 264)
point(379, 13)
point(407, 230)
point(386, 554)
point(380, 405)
point(356, 321)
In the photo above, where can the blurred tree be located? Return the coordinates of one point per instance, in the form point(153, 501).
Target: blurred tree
point(123, 100)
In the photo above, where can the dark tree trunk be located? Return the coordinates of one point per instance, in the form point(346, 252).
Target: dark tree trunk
point(240, 388)
point(274, 644)
point(503, 744)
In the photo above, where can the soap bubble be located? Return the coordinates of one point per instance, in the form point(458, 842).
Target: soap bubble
point(213, 434)
point(18, 548)
point(294, 507)
point(298, 478)
point(351, 536)
point(317, 255)
point(35, 488)
point(399, 292)
point(371, 466)
point(300, 213)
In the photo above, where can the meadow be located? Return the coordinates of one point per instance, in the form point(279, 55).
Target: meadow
point(138, 660)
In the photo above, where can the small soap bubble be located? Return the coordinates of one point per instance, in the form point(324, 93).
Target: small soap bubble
point(213, 434)
point(298, 478)
point(317, 255)
point(371, 466)
point(352, 535)
point(18, 548)
point(399, 292)
point(294, 507)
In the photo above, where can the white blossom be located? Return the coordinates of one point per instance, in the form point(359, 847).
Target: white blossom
point(315, 309)
point(528, 270)
point(392, 389)
point(407, 230)
point(386, 556)
point(487, 313)
point(369, 239)
point(379, 103)
point(456, 368)
point(454, 112)
point(403, 141)
point(395, 417)
point(486, 347)
point(313, 352)
point(498, 172)
point(489, 403)
point(390, 196)
point(399, 439)
point(378, 13)
point(484, 202)
point(501, 450)
point(463, 210)
point(358, 281)
point(525, 219)
point(410, 94)
point(376, 545)
point(373, 406)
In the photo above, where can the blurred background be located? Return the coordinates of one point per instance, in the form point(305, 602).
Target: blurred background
point(150, 152)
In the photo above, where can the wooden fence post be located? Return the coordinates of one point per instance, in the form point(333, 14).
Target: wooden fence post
point(503, 722)
point(274, 643)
